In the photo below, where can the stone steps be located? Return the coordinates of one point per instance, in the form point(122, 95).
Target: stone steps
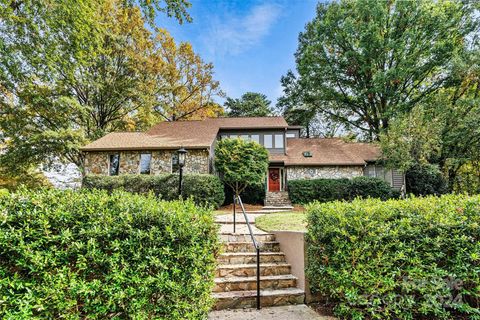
point(250, 257)
point(236, 273)
point(250, 283)
point(277, 199)
point(267, 246)
point(233, 237)
point(247, 299)
point(250, 270)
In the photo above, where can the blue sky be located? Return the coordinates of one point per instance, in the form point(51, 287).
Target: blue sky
point(250, 43)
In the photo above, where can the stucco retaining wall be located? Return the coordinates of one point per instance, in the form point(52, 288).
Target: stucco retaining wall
point(293, 244)
point(323, 172)
point(197, 161)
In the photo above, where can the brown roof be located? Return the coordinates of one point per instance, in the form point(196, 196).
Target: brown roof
point(326, 151)
point(188, 134)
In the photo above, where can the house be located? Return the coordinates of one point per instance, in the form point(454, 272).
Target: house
point(291, 157)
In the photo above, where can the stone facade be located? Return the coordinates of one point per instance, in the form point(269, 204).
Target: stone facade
point(197, 161)
point(96, 163)
point(323, 172)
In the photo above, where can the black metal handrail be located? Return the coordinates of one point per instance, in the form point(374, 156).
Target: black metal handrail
point(255, 243)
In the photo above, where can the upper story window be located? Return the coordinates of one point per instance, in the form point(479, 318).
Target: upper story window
point(114, 164)
point(279, 141)
point(175, 165)
point(268, 141)
point(145, 160)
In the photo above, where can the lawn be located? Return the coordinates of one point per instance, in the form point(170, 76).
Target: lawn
point(282, 221)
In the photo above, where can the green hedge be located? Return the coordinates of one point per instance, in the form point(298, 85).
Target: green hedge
point(397, 259)
point(254, 194)
point(202, 188)
point(422, 180)
point(324, 190)
point(91, 255)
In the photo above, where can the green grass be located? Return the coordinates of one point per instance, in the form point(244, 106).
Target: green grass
point(282, 221)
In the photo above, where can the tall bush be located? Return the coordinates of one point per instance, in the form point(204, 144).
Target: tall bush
point(94, 255)
point(241, 163)
point(398, 259)
point(204, 189)
point(426, 179)
point(324, 190)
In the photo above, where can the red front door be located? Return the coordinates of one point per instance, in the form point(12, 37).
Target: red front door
point(274, 179)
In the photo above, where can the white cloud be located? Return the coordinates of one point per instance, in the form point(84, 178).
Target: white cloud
point(233, 35)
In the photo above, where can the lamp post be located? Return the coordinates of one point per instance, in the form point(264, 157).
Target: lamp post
point(181, 162)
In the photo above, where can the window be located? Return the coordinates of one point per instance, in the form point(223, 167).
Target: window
point(233, 136)
point(268, 141)
point(290, 135)
point(255, 137)
point(244, 137)
point(175, 166)
point(114, 164)
point(279, 141)
point(145, 159)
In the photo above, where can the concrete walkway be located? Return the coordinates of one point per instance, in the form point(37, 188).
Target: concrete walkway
point(294, 312)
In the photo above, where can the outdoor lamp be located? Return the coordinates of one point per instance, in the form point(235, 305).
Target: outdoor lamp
point(181, 162)
point(181, 156)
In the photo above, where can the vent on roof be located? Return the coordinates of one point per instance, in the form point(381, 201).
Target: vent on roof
point(307, 154)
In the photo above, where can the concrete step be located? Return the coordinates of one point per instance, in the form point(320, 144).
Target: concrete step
point(250, 283)
point(250, 257)
point(267, 246)
point(250, 269)
point(247, 299)
point(233, 237)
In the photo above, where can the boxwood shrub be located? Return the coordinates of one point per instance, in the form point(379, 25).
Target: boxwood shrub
point(324, 190)
point(204, 189)
point(397, 259)
point(94, 255)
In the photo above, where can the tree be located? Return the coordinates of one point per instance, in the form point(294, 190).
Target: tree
point(362, 63)
point(241, 163)
point(251, 104)
point(293, 107)
point(443, 130)
point(84, 71)
point(185, 84)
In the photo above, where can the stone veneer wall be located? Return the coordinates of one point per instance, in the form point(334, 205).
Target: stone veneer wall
point(323, 172)
point(197, 161)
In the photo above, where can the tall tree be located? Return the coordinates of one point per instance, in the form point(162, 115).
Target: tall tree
point(444, 129)
point(250, 104)
point(296, 111)
point(83, 69)
point(186, 87)
point(363, 62)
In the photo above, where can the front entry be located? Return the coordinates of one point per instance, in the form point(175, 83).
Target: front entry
point(274, 179)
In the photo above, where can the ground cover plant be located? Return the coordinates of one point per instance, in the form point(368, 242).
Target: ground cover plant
point(94, 255)
point(398, 259)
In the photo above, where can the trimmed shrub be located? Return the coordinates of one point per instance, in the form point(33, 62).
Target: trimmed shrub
point(398, 259)
point(324, 190)
point(253, 194)
point(90, 254)
point(422, 180)
point(204, 189)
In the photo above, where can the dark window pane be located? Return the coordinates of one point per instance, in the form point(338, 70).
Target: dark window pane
point(114, 164)
point(145, 159)
point(175, 166)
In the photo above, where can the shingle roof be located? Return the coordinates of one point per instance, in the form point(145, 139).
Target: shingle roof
point(188, 134)
point(326, 151)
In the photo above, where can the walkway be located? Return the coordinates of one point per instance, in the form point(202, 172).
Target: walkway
point(294, 312)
